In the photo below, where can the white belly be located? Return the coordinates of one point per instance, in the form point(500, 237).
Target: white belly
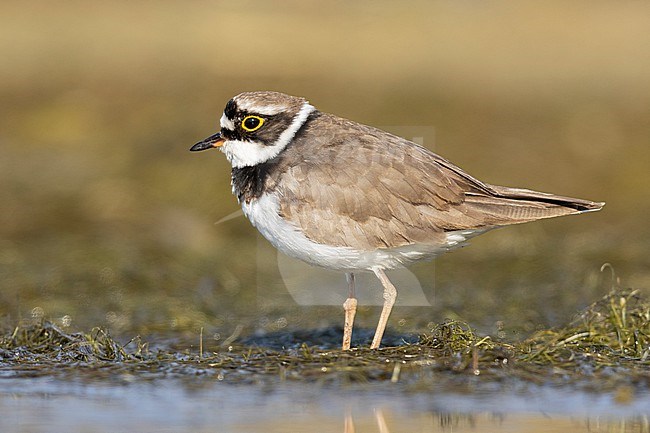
point(264, 215)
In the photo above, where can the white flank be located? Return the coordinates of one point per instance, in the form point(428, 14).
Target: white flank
point(245, 153)
point(458, 238)
point(264, 215)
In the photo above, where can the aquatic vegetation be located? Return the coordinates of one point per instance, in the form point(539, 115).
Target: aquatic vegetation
point(609, 340)
point(614, 331)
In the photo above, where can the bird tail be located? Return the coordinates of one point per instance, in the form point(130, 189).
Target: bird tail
point(517, 205)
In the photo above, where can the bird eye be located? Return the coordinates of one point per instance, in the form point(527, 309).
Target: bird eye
point(252, 123)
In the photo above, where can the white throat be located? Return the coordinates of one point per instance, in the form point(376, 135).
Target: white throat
point(245, 153)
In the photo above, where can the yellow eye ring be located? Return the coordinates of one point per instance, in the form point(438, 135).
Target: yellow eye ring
point(252, 123)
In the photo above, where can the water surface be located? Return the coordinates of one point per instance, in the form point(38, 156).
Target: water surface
point(202, 405)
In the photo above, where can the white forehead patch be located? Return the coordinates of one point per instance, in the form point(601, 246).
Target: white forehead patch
point(227, 123)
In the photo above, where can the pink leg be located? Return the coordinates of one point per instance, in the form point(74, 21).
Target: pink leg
point(350, 307)
point(390, 295)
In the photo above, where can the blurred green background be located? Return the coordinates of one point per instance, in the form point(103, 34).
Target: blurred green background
point(107, 219)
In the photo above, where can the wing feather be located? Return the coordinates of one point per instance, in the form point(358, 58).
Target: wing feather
point(361, 187)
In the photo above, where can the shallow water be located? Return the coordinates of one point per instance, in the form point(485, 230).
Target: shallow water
point(198, 405)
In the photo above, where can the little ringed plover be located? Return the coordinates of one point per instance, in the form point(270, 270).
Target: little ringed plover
point(350, 197)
